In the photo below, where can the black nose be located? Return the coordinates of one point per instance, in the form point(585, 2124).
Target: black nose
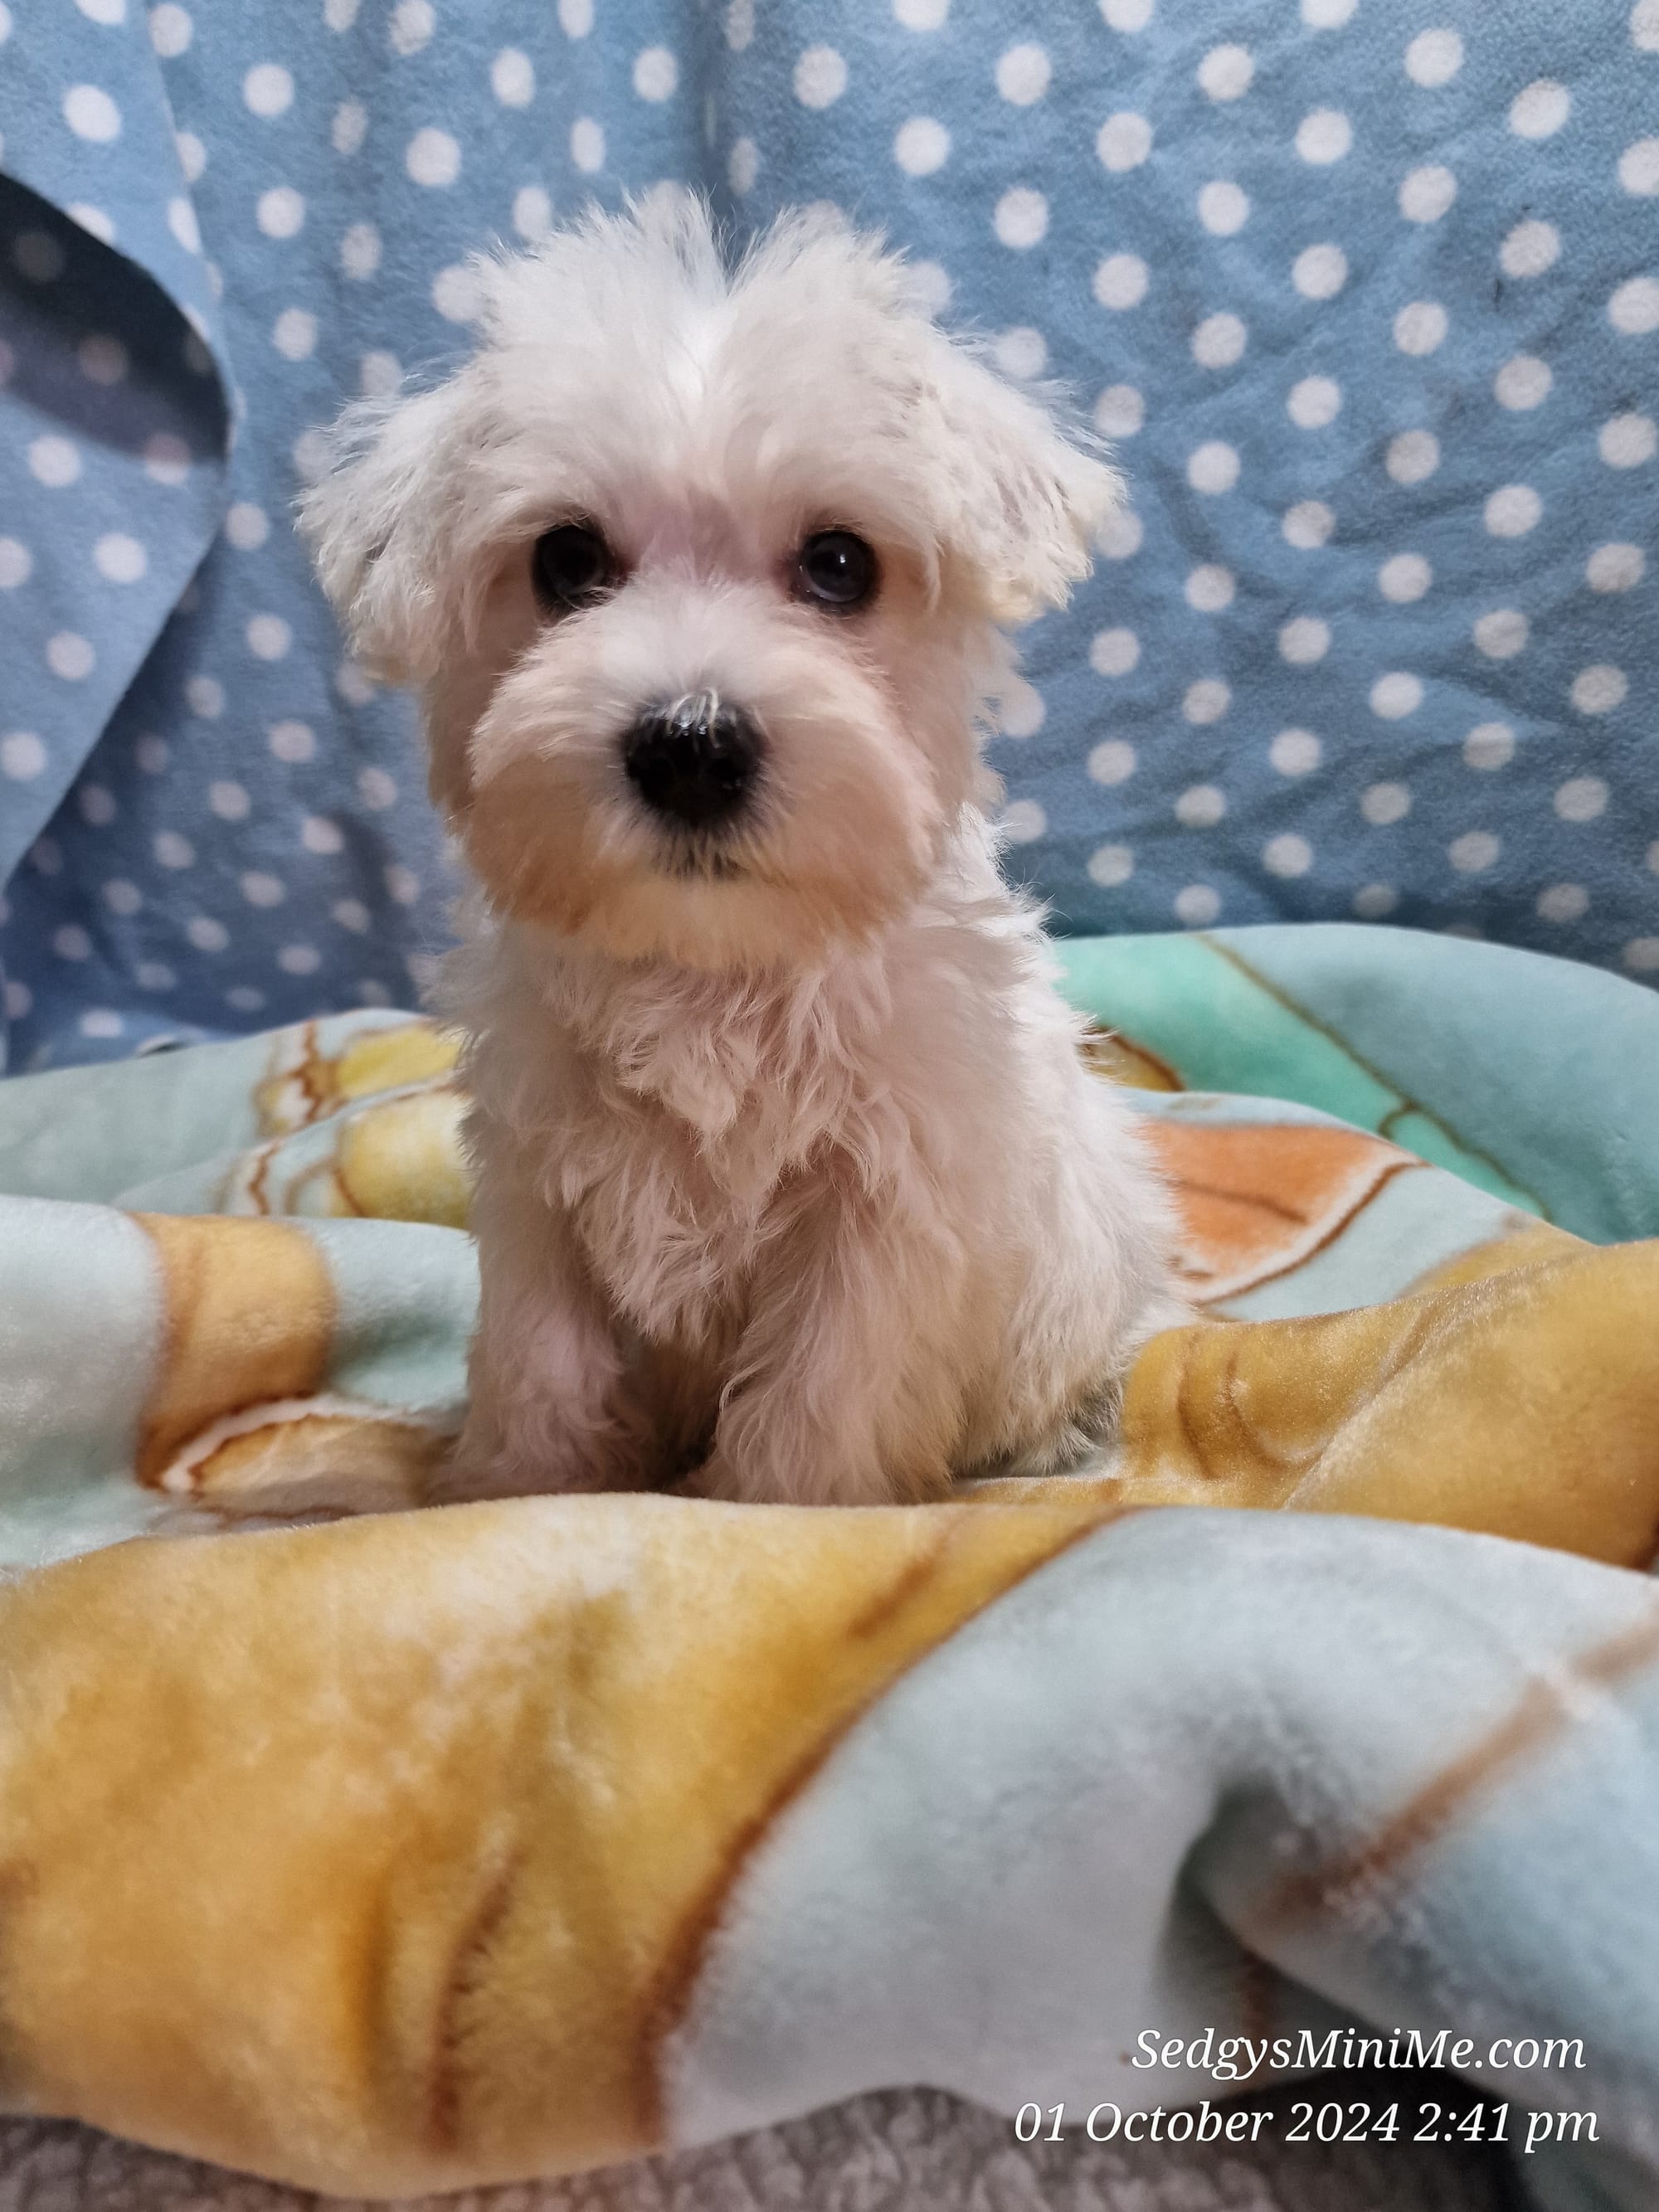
point(694, 760)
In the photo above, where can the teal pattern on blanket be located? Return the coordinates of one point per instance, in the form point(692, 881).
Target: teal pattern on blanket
point(1367, 295)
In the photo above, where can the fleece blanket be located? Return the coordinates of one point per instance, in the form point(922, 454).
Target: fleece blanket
point(415, 1848)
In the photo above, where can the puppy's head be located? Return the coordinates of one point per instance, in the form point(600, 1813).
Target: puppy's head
point(700, 568)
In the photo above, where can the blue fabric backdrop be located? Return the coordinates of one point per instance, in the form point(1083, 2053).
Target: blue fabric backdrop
point(1367, 289)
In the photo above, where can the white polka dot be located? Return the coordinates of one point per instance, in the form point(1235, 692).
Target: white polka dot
point(171, 850)
point(353, 683)
point(1598, 690)
point(313, 454)
point(411, 26)
point(533, 210)
point(245, 997)
point(1627, 441)
point(106, 12)
point(1308, 524)
point(16, 999)
point(120, 559)
point(281, 212)
point(1207, 700)
point(1634, 307)
point(22, 756)
point(1295, 752)
point(376, 789)
point(92, 219)
point(1582, 799)
point(457, 293)
point(1021, 352)
point(205, 696)
point(739, 25)
point(1218, 342)
point(1373, 902)
point(1225, 72)
point(1287, 855)
point(512, 78)
point(299, 959)
point(69, 656)
point(1121, 280)
point(1434, 57)
point(268, 637)
point(1426, 193)
point(928, 286)
point(1502, 633)
point(1473, 852)
point(1638, 167)
point(268, 89)
point(292, 741)
point(349, 127)
point(1222, 208)
point(1396, 694)
point(1210, 588)
point(1123, 142)
point(360, 250)
point(1522, 382)
point(91, 113)
point(206, 934)
point(1020, 711)
point(586, 145)
point(167, 459)
point(1113, 651)
point(1414, 455)
point(1319, 272)
point(1512, 510)
point(1126, 16)
point(1563, 902)
point(1304, 640)
point(820, 78)
point(229, 801)
point(293, 333)
point(1023, 74)
point(1529, 249)
point(192, 154)
point(123, 898)
point(319, 835)
point(1200, 806)
point(1383, 803)
point(340, 15)
point(1645, 25)
point(16, 564)
point(1419, 326)
point(1642, 953)
point(1112, 761)
point(260, 889)
point(37, 255)
point(352, 914)
point(71, 943)
point(1023, 820)
point(1540, 110)
point(1021, 221)
point(1197, 905)
point(1120, 411)
point(1212, 467)
point(575, 18)
point(170, 30)
point(1119, 536)
point(1324, 136)
point(1610, 568)
point(46, 857)
point(97, 805)
point(102, 360)
point(1489, 745)
point(1404, 578)
point(53, 461)
point(1314, 402)
point(1110, 866)
point(1326, 14)
point(920, 146)
point(432, 157)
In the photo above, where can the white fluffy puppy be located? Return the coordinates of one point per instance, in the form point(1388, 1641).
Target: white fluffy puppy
point(788, 1170)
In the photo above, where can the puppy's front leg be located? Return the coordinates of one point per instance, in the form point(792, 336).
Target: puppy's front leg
point(545, 1368)
point(842, 1391)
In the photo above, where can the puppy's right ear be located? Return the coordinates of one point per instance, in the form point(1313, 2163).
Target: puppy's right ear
point(378, 524)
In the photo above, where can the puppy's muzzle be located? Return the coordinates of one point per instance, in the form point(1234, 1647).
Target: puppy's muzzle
point(693, 761)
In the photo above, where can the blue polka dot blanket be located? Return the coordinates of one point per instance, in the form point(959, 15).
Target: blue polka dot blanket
point(1365, 291)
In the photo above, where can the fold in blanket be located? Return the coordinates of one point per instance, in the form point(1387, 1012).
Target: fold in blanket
point(430, 1847)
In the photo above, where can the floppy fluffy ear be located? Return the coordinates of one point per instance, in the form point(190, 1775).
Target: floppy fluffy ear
point(377, 525)
point(1029, 496)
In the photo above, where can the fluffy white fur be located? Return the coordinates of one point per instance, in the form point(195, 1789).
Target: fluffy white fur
point(788, 1170)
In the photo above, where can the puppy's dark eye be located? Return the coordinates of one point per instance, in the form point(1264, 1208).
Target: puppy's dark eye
point(571, 566)
point(837, 569)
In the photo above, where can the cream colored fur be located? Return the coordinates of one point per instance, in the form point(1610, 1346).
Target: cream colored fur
point(788, 1170)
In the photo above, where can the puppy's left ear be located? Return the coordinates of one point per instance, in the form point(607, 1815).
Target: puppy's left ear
point(1028, 496)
